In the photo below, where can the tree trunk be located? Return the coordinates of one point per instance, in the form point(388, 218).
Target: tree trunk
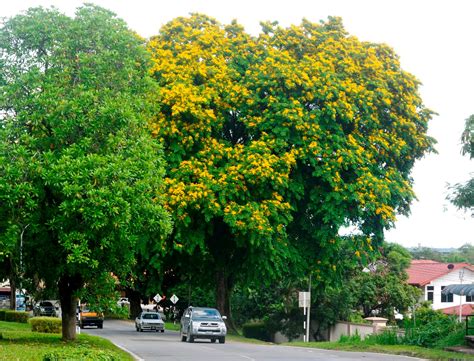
point(223, 293)
point(135, 302)
point(12, 293)
point(68, 286)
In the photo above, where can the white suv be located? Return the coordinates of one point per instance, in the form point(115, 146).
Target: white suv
point(203, 323)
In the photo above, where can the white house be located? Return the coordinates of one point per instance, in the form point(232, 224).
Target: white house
point(431, 277)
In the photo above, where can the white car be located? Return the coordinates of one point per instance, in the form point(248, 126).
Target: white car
point(203, 322)
point(149, 320)
point(123, 301)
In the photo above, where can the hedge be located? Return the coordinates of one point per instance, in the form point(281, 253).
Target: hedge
point(81, 353)
point(45, 324)
point(256, 330)
point(16, 316)
point(2, 315)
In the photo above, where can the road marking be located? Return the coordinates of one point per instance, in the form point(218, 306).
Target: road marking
point(136, 357)
point(248, 358)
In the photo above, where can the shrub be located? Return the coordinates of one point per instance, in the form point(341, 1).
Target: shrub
point(256, 330)
point(117, 312)
point(454, 338)
point(45, 324)
point(432, 331)
point(81, 353)
point(2, 315)
point(16, 316)
point(387, 337)
point(350, 339)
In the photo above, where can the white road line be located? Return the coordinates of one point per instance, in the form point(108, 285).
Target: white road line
point(136, 357)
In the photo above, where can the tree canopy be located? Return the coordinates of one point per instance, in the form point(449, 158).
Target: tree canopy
point(277, 142)
point(462, 194)
point(81, 178)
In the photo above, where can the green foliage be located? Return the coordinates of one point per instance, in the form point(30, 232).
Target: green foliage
point(16, 316)
point(462, 195)
point(277, 142)
point(117, 312)
point(387, 337)
point(81, 175)
point(383, 287)
point(2, 314)
point(432, 329)
point(465, 253)
point(256, 330)
point(45, 324)
point(81, 353)
point(350, 339)
point(18, 339)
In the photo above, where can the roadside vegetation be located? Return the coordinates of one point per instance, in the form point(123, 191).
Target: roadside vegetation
point(18, 342)
point(355, 344)
point(211, 164)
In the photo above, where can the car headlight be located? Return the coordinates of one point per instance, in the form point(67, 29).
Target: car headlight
point(222, 326)
point(195, 326)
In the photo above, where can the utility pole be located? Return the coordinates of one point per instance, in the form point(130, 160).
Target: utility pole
point(461, 278)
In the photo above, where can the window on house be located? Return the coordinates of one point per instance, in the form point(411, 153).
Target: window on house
point(446, 298)
point(430, 293)
point(469, 298)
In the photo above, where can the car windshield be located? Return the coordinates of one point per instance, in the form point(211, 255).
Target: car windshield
point(46, 304)
point(151, 316)
point(206, 313)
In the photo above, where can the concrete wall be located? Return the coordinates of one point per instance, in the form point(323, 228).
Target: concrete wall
point(343, 328)
point(336, 331)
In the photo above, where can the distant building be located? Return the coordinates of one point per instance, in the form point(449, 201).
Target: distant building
point(432, 276)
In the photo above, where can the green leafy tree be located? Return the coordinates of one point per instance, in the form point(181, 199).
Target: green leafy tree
point(275, 143)
point(81, 178)
point(462, 194)
point(383, 288)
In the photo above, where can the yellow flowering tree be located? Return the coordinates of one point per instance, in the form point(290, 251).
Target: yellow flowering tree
point(275, 143)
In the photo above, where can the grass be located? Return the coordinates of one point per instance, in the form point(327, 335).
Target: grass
point(171, 326)
point(18, 342)
point(239, 338)
point(405, 350)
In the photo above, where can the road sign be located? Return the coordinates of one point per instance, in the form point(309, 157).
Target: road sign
point(157, 298)
point(174, 299)
point(304, 299)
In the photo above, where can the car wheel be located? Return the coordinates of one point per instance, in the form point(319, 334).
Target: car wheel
point(162, 331)
point(81, 325)
point(213, 340)
point(136, 328)
point(100, 326)
point(221, 339)
point(141, 329)
point(190, 337)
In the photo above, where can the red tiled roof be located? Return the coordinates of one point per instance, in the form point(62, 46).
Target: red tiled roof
point(467, 309)
point(422, 272)
point(4, 289)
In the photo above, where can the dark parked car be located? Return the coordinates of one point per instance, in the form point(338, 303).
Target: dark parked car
point(44, 308)
point(202, 322)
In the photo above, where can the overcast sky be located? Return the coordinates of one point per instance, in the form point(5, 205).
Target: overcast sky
point(434, 40)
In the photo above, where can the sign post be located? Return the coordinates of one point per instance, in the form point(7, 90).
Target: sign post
point(174, 299)
point(157, 298)
point(304, 300)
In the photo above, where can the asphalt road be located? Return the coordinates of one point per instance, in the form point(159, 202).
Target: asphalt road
point(168, 347)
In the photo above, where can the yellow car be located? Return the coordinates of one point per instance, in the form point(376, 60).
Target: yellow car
point(87, 317)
